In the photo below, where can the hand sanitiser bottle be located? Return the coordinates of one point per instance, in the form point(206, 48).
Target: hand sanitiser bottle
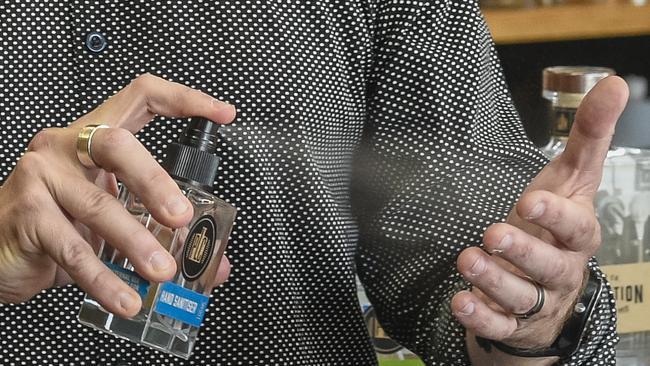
point(172, 311)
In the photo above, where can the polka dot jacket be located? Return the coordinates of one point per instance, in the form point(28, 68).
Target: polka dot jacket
point(374, 137)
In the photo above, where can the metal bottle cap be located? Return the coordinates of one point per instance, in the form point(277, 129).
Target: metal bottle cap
point(573, 79)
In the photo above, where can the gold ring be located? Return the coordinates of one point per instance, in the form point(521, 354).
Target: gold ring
point(84, 142)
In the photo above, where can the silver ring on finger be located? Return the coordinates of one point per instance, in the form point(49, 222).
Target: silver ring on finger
point(539, 304)
point(84, 145)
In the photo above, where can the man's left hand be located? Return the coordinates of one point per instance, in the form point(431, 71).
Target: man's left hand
point(548, 237)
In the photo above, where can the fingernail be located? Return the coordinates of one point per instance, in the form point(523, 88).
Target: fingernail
point(537, 211)
point(218, 104)
point(225, 113)
point(467, 309)
point(127, 301)
point(159, 261)
point(505, 243)
point(478, 267)
point(177, 206)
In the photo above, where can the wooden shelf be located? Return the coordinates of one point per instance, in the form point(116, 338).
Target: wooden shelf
point(567, 22)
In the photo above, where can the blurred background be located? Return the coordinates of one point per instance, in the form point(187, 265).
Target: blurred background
point(533, 34)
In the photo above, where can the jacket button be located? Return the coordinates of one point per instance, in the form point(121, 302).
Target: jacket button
point(96, 42)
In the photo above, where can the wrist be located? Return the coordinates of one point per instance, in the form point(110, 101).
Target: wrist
point(479, 356)
point(569, 340)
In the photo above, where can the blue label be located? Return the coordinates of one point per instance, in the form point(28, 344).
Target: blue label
point(134, 280)
point(181, 304)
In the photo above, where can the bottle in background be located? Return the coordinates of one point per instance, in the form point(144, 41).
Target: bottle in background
point(389, 352)
point(172, 312)
point(622, 206)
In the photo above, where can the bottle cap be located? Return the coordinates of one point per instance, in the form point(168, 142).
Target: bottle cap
point(192, 159)
point(573, 79)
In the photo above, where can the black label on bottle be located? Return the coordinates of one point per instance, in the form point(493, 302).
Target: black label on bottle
point(199, 246)
point(562, 121)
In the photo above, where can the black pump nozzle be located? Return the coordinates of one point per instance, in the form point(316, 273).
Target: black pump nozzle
point(192, 158)
point(201, 134)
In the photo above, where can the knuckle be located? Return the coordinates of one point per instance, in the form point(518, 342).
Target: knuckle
point(483, 326)
point(555, 216)
point(73, 256)
point(31, 202)
point(587, 226)
point(527, 302)
point(508, 330)
point(31, 163)
point(501, 333)
point(111, 139)
point(32, 198)
point(42, 140)
point(556, 270)
point(183, 93)
point(575, 277)
point(583, 230)
point(117, 137)
point(158, 178)
point(143, 83)
point(523, 252)
point(494, 281)
point(96, 204)
point(142, 239)
point(100, 278)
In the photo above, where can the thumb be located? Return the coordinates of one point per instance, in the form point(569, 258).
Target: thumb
point(593, 129)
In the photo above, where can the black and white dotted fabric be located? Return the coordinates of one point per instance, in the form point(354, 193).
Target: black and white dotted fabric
point(373, 137)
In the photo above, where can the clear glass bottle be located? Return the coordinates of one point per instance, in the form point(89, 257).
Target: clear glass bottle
point(172, 312)
point(622, 202)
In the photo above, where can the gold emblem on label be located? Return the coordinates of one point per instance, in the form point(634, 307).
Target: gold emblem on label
point(199, 247)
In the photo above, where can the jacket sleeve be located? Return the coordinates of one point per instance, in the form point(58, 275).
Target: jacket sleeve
point(444, 156)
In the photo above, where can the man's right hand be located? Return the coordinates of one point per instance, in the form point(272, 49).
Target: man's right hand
point(51, 206)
